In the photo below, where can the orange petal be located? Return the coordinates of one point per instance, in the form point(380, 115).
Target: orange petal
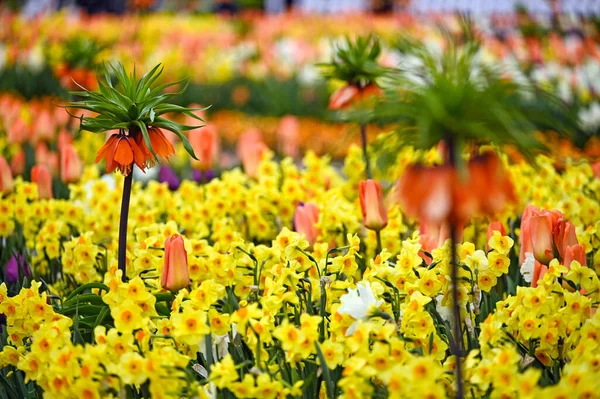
point(123, 153)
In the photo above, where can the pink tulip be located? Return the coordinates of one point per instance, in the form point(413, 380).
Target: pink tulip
point(6, 180)
point(371, 203)
point(574, 252)
point(541, 238)
point(40, 175)
point(305, 221)
point(175, 274)
point(205, 142)
point(71, 166)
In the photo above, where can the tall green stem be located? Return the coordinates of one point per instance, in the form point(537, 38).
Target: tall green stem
point(363, 137)
point(123, 224)
point(456, 343)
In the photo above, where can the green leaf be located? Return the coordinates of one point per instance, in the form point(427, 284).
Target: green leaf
point(329, 383)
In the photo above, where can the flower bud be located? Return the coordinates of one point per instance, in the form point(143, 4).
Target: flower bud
point(6, 180)
point(371, 203)
point(71, 166)
point(17, 163)
point(175, 274)
point(305, 221)
point(205, 142)
point(574, 253)
point(564, 236)
point(541, 238)
point(40, 175)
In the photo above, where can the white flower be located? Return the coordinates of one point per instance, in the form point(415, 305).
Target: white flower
point(358, 303)
point(527, 267)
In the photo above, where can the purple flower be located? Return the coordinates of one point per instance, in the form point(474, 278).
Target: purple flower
point(12, 268)
point(203, 177)
point(168, 175)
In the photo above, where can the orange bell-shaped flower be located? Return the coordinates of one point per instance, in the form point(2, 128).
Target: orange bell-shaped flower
point(121, 152)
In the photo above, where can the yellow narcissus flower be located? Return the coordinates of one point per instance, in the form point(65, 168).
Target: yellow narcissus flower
point(127, 316)
point(190, 326)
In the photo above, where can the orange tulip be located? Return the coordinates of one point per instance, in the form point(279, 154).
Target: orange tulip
point(288, 133)
point(71, 166)
point(252, 154)
point(17, 163)
point(19, 132)
point(305, 221)
point(371, 204)
point(574, 253)
point(205, 142)
point(6, 180)
point(563, 233)
point(121, 152)
point(40, 175)
point(541, 238)
point(175, 274)
point(161, 146)
point(525, 236)
point(44, 156)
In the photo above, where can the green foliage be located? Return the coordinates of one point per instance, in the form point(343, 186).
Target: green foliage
point(82, 52)
point(356, 62)
point(132, 105)
point(451, 96)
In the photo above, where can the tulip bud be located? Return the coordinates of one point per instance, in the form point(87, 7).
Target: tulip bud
point(251, 157)
point(71, 166)
point(305, 220)
point(168, 175)
point(541, 238)
point(288, 134)
point(564, 236)
point(574, 253)
point(371, 204)
point(6, 180)
point(206, 147)
point(175, 275)
point(17, 163)
point(40, 175)
point(12, 268)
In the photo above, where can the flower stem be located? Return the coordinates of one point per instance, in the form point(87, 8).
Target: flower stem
point(456, 344)
point(379, 248)
point(363, 136)
point(123, 224)
point(457, 349)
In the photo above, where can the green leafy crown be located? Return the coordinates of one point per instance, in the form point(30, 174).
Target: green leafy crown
point(132, 105)
point(356, 62)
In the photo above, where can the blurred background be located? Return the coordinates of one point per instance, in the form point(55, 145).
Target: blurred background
point(257, 62)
